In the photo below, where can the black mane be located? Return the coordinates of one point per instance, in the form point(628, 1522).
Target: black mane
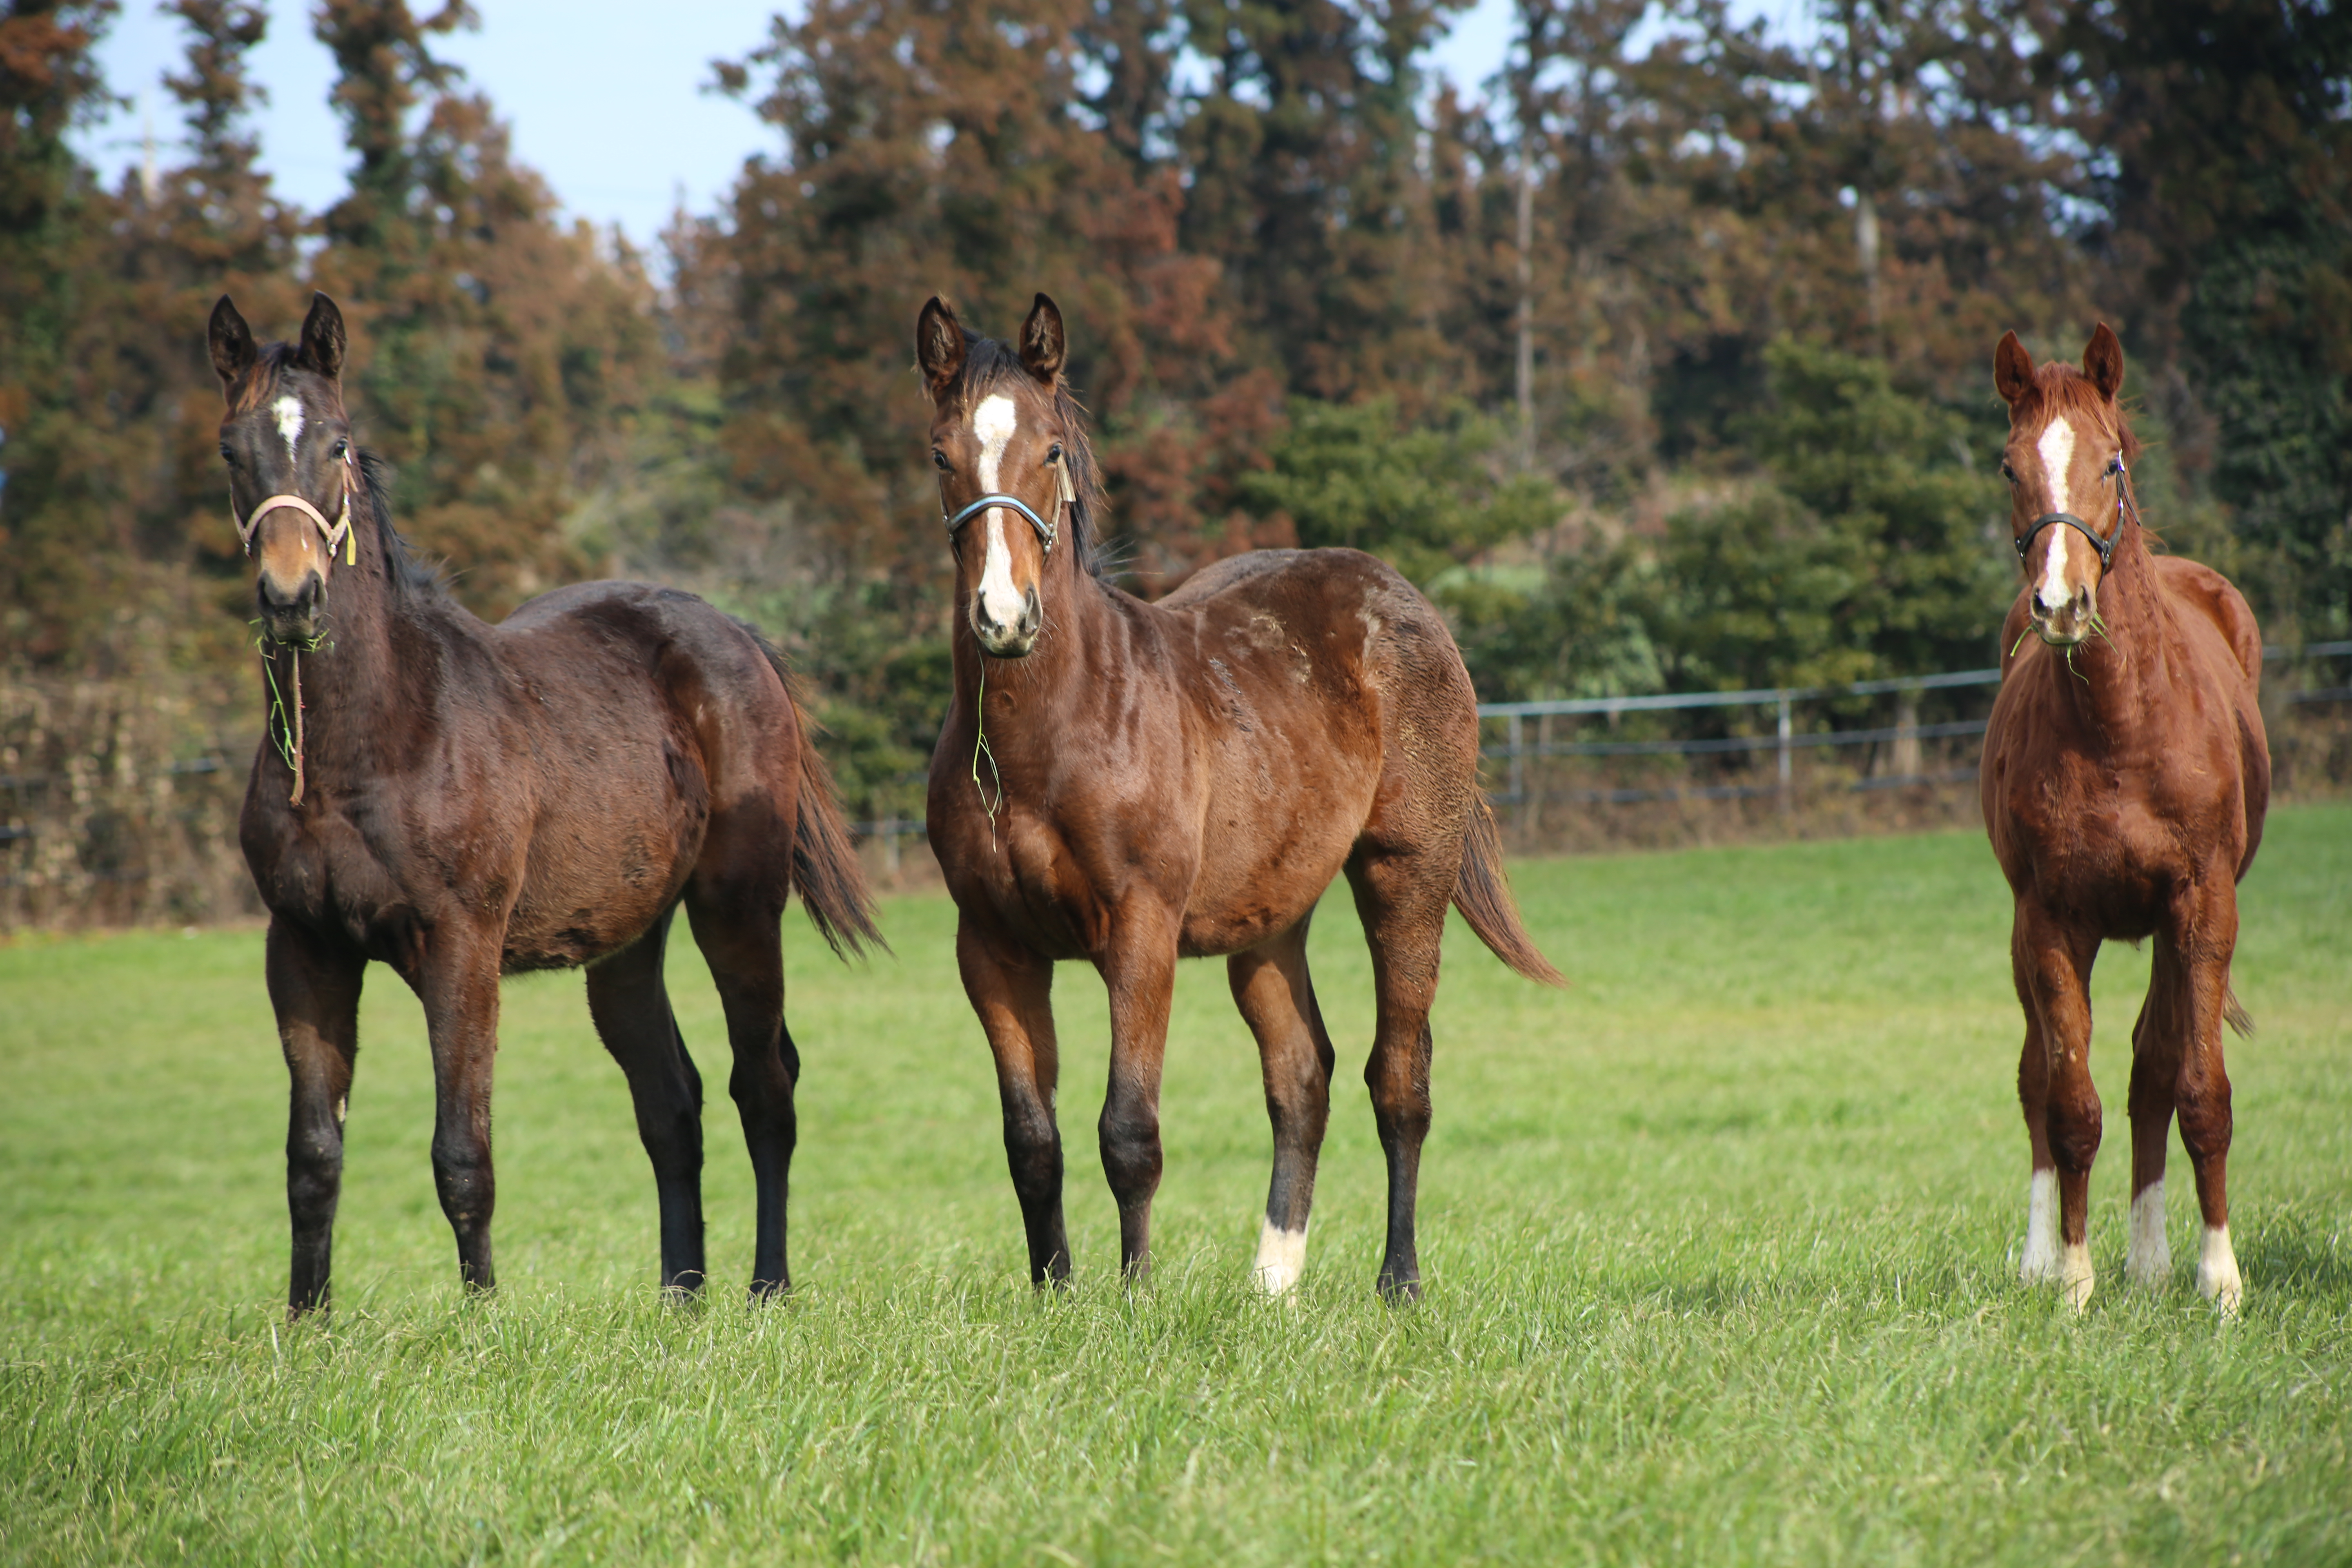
point(404, 573)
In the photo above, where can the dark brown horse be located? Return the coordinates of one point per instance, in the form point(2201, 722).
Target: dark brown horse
point(460, 801)
point(2126, 775)
point(1130, 784)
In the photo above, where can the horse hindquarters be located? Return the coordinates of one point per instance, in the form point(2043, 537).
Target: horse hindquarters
point(314, 988)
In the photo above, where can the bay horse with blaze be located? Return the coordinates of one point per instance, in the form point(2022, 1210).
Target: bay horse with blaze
point(460, 801)
point(2126, 775)
point(1130, 783)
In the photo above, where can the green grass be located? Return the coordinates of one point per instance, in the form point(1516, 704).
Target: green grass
point(1720, 1250)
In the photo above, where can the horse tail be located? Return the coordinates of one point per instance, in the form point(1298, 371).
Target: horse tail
point(1484, 898)
point(824, 862)
point(826, 869)
point(2235, 1012)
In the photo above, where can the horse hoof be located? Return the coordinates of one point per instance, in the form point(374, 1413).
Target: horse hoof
point(770, 1290)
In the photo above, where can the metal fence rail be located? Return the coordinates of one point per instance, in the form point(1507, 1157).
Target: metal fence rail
point(1784, 741)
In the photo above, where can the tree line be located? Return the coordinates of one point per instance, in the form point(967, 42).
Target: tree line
point(1659, 360)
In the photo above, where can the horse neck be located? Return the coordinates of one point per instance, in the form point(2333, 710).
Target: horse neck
point(1043, 684)
point(2110, 677)
point(349, 684)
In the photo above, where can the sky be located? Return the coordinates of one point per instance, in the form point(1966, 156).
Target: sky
point(614, 113)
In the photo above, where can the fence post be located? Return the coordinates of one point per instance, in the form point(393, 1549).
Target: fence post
point(890, 845)
point(1786, 803)
point(1908, 764)
point(1518, 760)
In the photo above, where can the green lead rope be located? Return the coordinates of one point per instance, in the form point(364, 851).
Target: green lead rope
point(979, 750)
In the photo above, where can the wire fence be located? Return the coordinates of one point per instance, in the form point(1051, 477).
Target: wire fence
point(119, 801)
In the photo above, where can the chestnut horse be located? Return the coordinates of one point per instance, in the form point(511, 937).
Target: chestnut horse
point(1130, 783)
point(2124, 778)
point(460, 801)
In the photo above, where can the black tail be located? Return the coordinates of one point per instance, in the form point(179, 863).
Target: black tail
point(826, 869)
point(1485, 899)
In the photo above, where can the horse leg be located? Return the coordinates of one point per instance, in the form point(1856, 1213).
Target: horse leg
point(1401, 900)
point(459, 989)
point(2052, 969)
point(314, 987)
point(2154, 1079)
point(1139, 968)
point(1276, 998)
point(2207, 940)
point(1011, 990)
point(747, 963)
point(630, 1005)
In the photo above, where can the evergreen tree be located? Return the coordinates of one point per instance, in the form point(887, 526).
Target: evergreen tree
point(2226, 177)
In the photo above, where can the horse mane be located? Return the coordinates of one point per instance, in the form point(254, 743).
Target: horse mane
point(989, 364)
point(408, 577)
point(2060, 387)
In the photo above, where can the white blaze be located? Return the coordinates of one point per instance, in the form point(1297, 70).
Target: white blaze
point(1281, 1257)
point(2057, 449)
point(288, 410)
point(2147, 1260)
point(993, 422)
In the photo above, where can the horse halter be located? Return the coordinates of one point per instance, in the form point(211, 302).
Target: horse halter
point(1065, 495)
point(2105, 546)
point(338, 534)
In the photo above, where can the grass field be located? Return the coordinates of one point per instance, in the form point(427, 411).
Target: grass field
point(1720, 1246)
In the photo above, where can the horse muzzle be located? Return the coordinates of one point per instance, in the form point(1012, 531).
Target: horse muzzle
point(1012, 640)
point(2065, 624)
point(293, 616)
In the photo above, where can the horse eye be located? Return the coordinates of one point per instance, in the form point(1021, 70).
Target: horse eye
point(1056, 455)
point(939, 459)
point(2008, 473)
point(340, 447)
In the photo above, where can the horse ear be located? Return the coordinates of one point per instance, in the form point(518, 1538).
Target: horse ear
point(2012, 370)
point(2102, 361)
point(322, 339)
point(1043, 346)
point(939, 343)
point(232, 343)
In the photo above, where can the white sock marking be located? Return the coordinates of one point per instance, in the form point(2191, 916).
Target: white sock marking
point(1281, 1257)
point(288, 410)
point(2075, 1275)
point(2147, 1261)
point(2041, 1260)
point(994, 422)
point(2057, 449)
point(2217, 1272)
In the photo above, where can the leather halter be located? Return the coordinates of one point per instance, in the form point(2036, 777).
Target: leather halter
point(338, 533)
point(1065, 495)
point(2105, 545)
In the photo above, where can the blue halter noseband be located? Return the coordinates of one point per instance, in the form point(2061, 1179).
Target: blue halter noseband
point(1046, 530)
point(2106, 546)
